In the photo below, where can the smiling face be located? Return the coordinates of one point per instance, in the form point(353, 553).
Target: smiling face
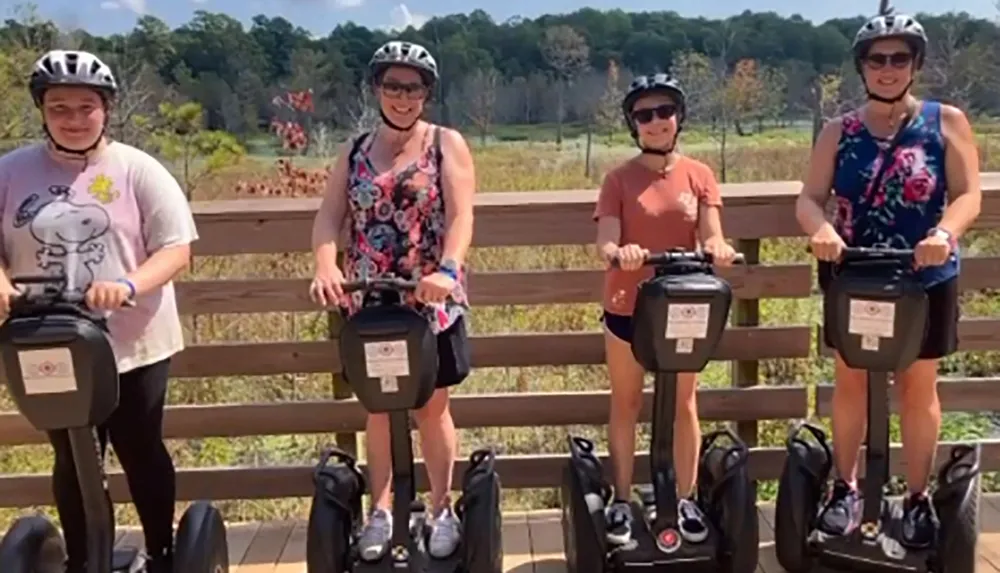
point(74, 115)
point(888, 67)
point(402, 94)
point(655, 118)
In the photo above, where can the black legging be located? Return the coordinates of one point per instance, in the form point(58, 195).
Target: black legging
point(135, 429)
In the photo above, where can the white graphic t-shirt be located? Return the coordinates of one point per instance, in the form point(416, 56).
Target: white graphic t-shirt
point(98, 224)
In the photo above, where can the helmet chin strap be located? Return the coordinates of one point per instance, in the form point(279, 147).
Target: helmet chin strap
point(895, 99)
point(661, 152)
point(388, 122)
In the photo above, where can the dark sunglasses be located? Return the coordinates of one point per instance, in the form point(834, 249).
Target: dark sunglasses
point(665, 111)
point(878, 60)
point(395, 89)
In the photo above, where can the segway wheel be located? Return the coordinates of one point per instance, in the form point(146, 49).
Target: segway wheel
point(583, 496)
point(960, 530)
point(33, 545)
point(479, 512)
point(734, 506)
point(201, 545)
point(794, 513)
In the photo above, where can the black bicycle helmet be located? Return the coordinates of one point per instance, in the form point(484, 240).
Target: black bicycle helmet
point(654, 83)
point(71, 68)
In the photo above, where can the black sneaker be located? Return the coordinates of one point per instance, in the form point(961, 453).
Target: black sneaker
point(619, 520)
point(842, 511)
point(691, 521)
point(920, 522)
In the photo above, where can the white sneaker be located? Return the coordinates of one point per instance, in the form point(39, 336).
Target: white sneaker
point(446, 533)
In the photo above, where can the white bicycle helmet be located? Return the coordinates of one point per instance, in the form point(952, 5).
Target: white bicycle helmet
point(891, 26)
point(397, 53)
point(71, 68)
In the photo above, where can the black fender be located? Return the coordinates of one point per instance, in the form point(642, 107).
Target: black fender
point(336, 512)
point(201, 545)
point(478, 510)
point(800, 489)
point(957, 501)
point(728, 496)
point(583, 495)
point(32, 544)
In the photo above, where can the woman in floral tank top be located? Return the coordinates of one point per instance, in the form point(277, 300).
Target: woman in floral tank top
point(928, 195)
point(405, 192)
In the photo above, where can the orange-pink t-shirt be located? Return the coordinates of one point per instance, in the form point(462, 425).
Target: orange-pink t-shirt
point(658, 211)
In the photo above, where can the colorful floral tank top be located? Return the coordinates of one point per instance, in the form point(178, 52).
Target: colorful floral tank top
point(912, 196)
point(397, 226)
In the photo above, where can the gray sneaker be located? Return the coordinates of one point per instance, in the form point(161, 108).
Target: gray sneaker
point(446, 534)
point(373, 543)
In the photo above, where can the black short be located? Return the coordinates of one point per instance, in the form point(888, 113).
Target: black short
point(941, 335)
point(453, 355)
point(619, 325)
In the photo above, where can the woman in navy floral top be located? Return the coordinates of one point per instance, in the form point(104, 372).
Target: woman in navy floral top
point(928, 196)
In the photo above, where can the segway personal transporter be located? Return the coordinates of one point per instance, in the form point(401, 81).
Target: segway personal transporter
point(61, 372)
point(389, 356)
point(877, 313)
point(679, 318)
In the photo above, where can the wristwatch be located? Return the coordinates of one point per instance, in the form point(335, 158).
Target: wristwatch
point(450, 268)
point(946, 235)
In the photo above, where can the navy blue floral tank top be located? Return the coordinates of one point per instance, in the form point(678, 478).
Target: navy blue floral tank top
point(912, 196)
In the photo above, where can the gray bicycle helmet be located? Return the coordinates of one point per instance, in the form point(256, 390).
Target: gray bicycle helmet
point(71, 68)
point(886, 26)
point(397, 53)
point(653, 83)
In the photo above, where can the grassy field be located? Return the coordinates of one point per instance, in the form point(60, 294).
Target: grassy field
point(502, 166)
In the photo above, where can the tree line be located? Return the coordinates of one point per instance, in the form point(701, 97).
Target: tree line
point(743, 71)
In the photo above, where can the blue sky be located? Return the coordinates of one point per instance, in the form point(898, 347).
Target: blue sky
point(320, 16)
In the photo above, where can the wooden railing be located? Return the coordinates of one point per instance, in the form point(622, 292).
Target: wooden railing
point(268, 226)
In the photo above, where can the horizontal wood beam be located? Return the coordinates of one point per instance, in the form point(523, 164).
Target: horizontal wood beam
point(527, 288)
point(974, 335)
point(510, 350)
point(955, 394)
point(486, 289)
point(469, 411)
point(756, 210)
point(516, 472)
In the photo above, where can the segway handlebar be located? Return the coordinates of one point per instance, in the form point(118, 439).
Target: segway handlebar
point(671, 257)
point(54, 295)
point(857, 254)
point(381, 284)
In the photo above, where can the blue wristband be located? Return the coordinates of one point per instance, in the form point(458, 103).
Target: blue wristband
point(449, 268)
point(130, 285)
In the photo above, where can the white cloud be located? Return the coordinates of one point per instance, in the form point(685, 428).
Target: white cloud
point(348, 3)
point(136, 6)
point(199, 1)
point(400, 18)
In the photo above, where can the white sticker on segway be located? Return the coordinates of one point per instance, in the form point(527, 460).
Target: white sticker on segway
point(389, 384)
point(872, 318)
point(48, 371)
point(687, 320)
point(685, 346)
point(869, 343)
point(387, 358)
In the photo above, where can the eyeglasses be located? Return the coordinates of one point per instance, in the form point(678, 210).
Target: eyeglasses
point(413, 91)
point(665, 111)
point(898, 60)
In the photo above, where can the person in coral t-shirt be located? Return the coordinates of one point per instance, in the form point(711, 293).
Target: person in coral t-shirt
point(656, 201)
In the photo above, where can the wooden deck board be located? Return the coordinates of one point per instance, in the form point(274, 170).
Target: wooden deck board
point(533, 543)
